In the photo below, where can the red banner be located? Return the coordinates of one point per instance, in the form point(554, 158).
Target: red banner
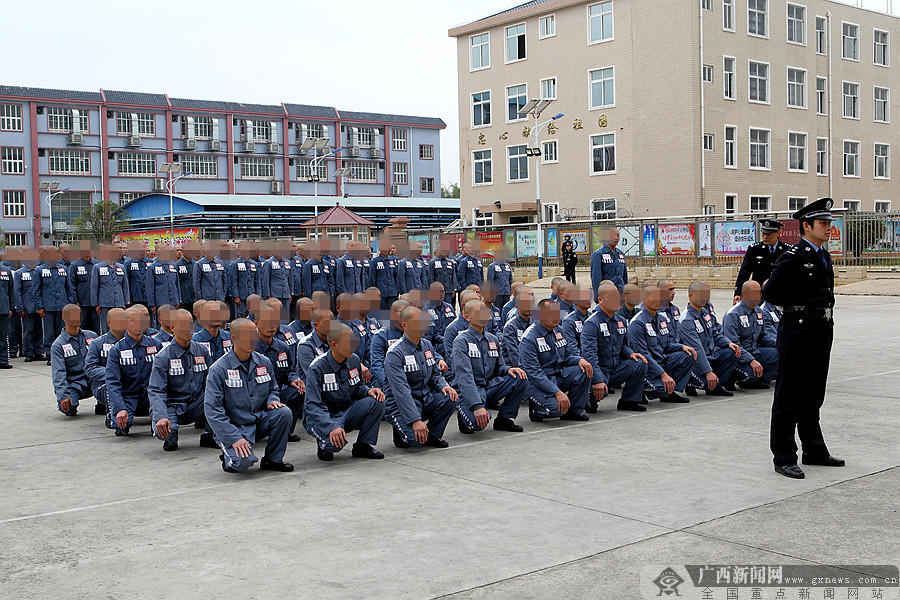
point(488, 241)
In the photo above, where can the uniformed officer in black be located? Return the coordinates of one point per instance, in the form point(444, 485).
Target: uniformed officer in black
point(569, 258)
point(802, 282)
point(761, 256)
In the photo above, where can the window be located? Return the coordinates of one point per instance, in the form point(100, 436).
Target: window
point(426, 185)
point(257, 167)
point(709, 209)
point(821, 38)
point(706, 4)
point(882, 105)
point(759, 148)
point(547, 26)
point(707, 73)
point(305, 170)
point(481, 109)
point(795, 204)
point(12, 160)
point(882, 206)
point(882, 161)
point(59, 120)
point(365, 137)
point(136, 163)
point(603, 208)
point(600, 22)
point(363, 172)
point(728, 15)
point(851, 100)
point(550, 151)
point(759, 82)
point(16, 239)
point(400, 174)
point(730, 147)
point(480, 51)
point(516, 98)
point(821, 156)
point(728, 77)
point(398, 136)
point(14, 204)
point(68, 206)
point(69, 162)
point(796, 24)
point(144, 124)
point(518, 164)
point(603, 153)
point(305, 131)
point(851, 158)
point(515, 43)
point(482, 167)
point(200, 166)
point(797, 152)
point(853, 205)
point(796, 88)
point(850, 36)
point(709, 141)
point(821, 96)
point(757, 18)
point(203, 127)
point(426, 152)
point(548, 88)
point(882, 48)
point(731, 201)
point(11, 117)
point(126, 197)
point(760, 203)
point(603, 88)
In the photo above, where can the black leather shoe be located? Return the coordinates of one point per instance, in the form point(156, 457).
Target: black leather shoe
point(99, 409)
point(532, 414)
point(122, 432)
point(399, 442)
point(463, 428)
point(207, 441)
point(29, 359)
point(294, 438)
point(591, 406)
point(504, 424)
point(631, 406)
point(170, 446)
point(719, 391)
point(828, 461)
point(674, 397)
point(270, 465)
point(361, 450)
point(754, 385)
point(731, 387)
point(224, 468)
point(643, 400)
point(574, 416)
point(792, 471)
point(690, 391)
point(325, 455)
point(436, 442)
point(6, 366)
point(48, 362)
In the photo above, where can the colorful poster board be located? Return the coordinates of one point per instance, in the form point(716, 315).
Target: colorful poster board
point(836, 243)
point(526, 243)
point(488, 241)
point(151, 237)
point(423, 239)
point(676, 240)
point(704, 238)
point(630, 240)
point(552, 242)
point(650, 240)
point(580, 239)
point(734, 237)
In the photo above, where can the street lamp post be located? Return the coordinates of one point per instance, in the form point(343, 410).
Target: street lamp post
point(50, 187)
point(171, 170)
point(316, 145)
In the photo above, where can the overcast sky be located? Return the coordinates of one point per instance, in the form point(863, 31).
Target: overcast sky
point(390, 56)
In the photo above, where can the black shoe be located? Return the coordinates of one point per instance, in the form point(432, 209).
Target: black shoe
point(361, 450)
point(435, 442)
point(828, 461)
point(611, 391)
point(294, 438)
point(13, 354)
point(29, 359)
point(690, 391)
point(324, 455)
point(674, 397)
point(755, 385)
point(574, 416)
point(207, 441)
point(632, 406)
point(532, 414)
point(792, 471)
point(6, 366)
point(72, 412)
point(122, 432)
point(719, 391)
point(170, 446)
point(591, 406)
point(48, 362)
point(504, 424)
point(463, 428)
point(201, 424)
point(224, 468)
point(399, 442)
point(643, 400)
point(99, 409)
point(270, 465)
point(730, 386)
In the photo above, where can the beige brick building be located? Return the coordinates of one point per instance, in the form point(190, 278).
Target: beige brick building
point(791, 99)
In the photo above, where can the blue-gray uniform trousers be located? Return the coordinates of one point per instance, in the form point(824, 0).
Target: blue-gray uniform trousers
point(272, 423)
point(678, 366)
point(632, 373)
point(723, 364)
point(436, 410)
point(364, 415)
point(511, 390)
point(570, 380)
point(180, 413)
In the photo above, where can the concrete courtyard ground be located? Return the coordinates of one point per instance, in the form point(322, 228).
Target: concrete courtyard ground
point(559, 511)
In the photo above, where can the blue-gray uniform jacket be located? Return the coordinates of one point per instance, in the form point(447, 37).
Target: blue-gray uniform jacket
point(411, 374)
point(318, 276)
point(80, 275)
point(237, 395)
point(308, 349)
point(297, 263)
point(469, 270)
point(673, 312)
point(136, 271)
point(185, 269)
point(408, 276)
point(771, 319)
point(444, 270)
point(544, 353)
point(697, 329)
point(362, 336)
point(513, 332)
point(381, 342)
point(95, 363)
point(283, 359)
point(332, 388)
point(23, 279)
point(496, 322)
point(288, 336)
point(644, 338)
point(243, 279)
point(441, 315)
point(128, 369)
point(217, 346)
point(275, 278)
point(452, 330)
point(209, 279)
point(383, 275)
point(500, 275)
point(508, 308)
point(161, 279)
point(109, 286)
point(572, 326)
point(607, 263)
point(472, 378)
point(348, 275)
point(163, 337)
point(67, 357)
point(178, 376)
point(299, 329)
point(373, 324)
point(604, 344)
point(52, 289)
point(7, 290)
point(625, 314)
point(746, 327)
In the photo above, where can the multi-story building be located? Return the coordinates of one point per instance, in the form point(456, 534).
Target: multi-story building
point(677, 107)
point(110, 145)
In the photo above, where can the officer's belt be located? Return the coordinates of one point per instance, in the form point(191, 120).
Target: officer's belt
point(808, 311)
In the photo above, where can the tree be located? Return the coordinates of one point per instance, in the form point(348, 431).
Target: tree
point(450, 191)
point(103, 221)
point(864, 233)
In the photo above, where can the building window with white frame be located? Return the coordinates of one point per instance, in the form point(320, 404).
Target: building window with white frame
point(146, 124)
point(882, 161)
point(796, 24)
point(69, 162)
point(365, 136)
point(850, 38)
point(759, 82)
point(706, 4)
point(796, 84)
point(11, 117)
point(851, 158)
point(882, 105)
point(547, 26)
point(126, 197)
point(728, 15)
point(548, 88)
point(309, 131)
point(600, 22)
point(709, 209)
point(730, 147)
point(821, 36)
point(728, 75)
point(709, 141)
point(603, 88)
point(16, 239)
point(305, 170)
point(257, 167)
point(12, 160)
point(481, 109)
point(515, 43)
point(136, 164)
point(14, 204)
point(202, 166)
point(707, 73)
point(603, 153)
point(851, 100)
point(795, 204)
point(797, 152)
point(518, 164)
point(821, 96)
point(426, 151)
point(550, 151)
point(852, 205)
point(516, 99)
point(400, 174)
point(821, 156)
point(398, 139)
point(60, 120)
point(603, 209)
point(363, 171)
point(480, 51)
point(203, 127)
point(731, 202)
point(760, 150)
point(882, 206)
point(758, 18)
point(882, 48)
point(760, 203)
point(482, 167)
point(426, 185)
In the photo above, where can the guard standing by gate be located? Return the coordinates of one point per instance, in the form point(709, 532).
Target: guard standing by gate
point(569, 258)
point(761, 256)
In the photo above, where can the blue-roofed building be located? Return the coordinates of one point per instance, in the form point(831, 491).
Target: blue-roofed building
point(245, 160)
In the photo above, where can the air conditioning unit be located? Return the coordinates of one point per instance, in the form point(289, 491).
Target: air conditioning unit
point(395, 190)
point(277, 187)
point(353, 151)
point(76, 139)
point(190, 144)
point(375, 153)
point(134, 141)
point(249, 146)
point(272, 148)
point(215, 145)
point(60, 226)
point(159, 185)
